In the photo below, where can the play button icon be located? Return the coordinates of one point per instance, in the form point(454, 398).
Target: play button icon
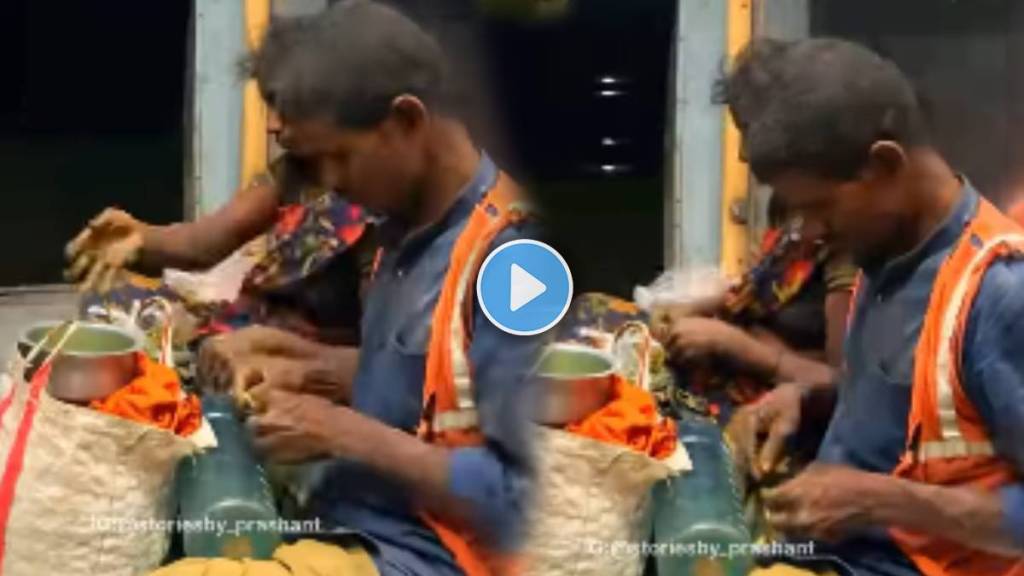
point(524, 287)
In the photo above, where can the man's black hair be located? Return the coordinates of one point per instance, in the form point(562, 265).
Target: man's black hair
point(348, 64)
point(818, 105)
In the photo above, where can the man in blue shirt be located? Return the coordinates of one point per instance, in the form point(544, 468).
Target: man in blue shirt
point(838, 133)
point(363, 94)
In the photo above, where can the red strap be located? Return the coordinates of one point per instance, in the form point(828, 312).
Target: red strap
point(16, 458)
point(854, 296)
point(377, 255)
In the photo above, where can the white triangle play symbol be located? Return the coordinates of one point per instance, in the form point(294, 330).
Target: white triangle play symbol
point(525, 287)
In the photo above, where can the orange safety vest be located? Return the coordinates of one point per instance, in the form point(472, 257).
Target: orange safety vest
point(947, 443)
point(449, 416)
point(1016, 212)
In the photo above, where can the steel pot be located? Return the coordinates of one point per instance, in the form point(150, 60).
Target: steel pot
point(575, 381)
point(95, 361)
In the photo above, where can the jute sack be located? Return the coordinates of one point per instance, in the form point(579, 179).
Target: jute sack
point(590, 512)
point(82, 492)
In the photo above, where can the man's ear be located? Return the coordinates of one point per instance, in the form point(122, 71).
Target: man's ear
point(409, 112)
point(886, 158)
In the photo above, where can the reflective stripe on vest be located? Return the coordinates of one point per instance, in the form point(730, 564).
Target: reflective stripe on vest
point(947, 365)
point(465, 417)
point(957, 448)
point(449, 415)
point(456, 411)
point(457, 332)
point(456, 420)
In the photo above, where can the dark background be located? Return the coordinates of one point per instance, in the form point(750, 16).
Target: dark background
point(608, 225)
point(91, 115)
point(535, 105)
point(92, 112)
point(967, 57)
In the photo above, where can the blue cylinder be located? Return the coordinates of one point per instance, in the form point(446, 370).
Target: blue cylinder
point(227, 507)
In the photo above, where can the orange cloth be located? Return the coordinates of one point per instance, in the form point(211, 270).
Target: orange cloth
point(630, 419)
point(154, 397)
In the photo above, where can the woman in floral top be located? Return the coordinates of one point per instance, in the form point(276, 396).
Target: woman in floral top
point(784, 320)
point(316, 251)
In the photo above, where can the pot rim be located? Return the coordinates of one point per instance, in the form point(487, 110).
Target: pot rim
point(135, 345)
point(578, 348)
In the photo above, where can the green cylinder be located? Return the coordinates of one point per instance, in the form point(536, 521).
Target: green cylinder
point(227, 507)
point(699, 523)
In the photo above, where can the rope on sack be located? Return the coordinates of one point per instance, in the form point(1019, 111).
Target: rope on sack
point(166, 331)
point(639, 347)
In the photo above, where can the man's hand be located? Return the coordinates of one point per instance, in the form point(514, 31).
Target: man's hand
point(316, 376)
point(294, 427)
point(110, 243)
point(824, 502)
point(255, 370)
point(225, 360)
point(691, 337)
point(759, 431)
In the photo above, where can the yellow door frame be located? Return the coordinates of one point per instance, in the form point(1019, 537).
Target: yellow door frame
point(254, 111)
point(735, 173)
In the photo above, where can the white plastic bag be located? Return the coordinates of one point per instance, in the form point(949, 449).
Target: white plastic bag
point(221, 283)
point(682, 286)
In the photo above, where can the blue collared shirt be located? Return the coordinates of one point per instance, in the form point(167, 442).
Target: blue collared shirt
point(868, 427)
point(494, 478)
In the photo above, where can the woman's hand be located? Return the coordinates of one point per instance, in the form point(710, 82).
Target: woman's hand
point(265, 340)
point(688, 338)
point(110, 243)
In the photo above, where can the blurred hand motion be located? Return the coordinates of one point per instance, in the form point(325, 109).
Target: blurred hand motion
point(110, 243)
point(253, 356)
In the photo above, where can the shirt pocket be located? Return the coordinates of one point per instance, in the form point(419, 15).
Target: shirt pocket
point(875, 424)
point(411, 337)
point(394, 393)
